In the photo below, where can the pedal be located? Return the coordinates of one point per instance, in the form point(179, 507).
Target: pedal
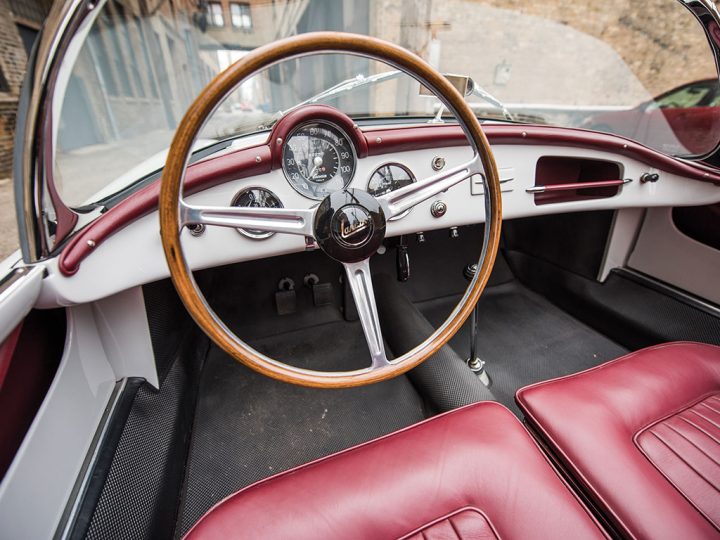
point(403, 263)
point(323, 294)
point(286, 297)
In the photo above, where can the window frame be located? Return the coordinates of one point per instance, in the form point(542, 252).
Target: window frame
point(213, 16)
point(244, 16)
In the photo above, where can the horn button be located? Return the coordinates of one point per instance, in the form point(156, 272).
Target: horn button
point(349, 225)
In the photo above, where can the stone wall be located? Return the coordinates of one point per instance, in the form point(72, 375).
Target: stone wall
point(659, 40)
point(555, 52)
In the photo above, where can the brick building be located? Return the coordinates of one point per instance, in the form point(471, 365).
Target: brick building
point(20, 20)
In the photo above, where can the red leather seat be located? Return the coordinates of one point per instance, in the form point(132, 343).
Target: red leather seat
point(641, 435)
point(471, 473)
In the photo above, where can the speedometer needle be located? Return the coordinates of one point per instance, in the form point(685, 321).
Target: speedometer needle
point(317, 161)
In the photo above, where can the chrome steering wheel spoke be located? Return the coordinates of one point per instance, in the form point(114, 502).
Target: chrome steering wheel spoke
point(279, 220)
point(360, 280)
point(403, 199)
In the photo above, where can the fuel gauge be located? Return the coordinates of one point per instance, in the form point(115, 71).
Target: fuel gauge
point(388, 178)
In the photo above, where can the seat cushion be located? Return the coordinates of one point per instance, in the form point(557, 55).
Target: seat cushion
point(474, 472)
point(641, 435)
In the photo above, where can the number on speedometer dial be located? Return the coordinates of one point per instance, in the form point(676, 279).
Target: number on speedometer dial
point(318, 159)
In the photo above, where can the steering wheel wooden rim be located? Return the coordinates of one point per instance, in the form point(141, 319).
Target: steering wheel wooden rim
point(173, 175)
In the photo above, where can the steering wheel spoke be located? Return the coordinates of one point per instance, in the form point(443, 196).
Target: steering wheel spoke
point(401, 200)
point(280, 220)
point(360, 281)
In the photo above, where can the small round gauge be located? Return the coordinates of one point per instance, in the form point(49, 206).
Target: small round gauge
point(389, 178)
point(318, 159)
point(256, 197)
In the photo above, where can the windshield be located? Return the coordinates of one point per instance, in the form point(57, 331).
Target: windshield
point(599, 66)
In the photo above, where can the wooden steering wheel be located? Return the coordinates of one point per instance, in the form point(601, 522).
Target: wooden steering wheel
point(348, 225)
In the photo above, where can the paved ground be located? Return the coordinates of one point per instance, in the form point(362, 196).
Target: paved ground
point(8, 225)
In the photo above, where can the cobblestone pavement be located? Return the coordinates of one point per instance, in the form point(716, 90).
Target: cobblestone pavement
point(8, 224)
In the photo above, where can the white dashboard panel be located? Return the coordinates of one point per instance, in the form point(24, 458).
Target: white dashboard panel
point(134, 255)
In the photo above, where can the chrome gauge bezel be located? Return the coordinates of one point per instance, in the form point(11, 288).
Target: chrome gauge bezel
point(249, 233)
point(394, 164)
point(350, 145)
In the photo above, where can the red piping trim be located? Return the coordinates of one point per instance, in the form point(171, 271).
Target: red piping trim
point(243, 163)
point(202, 175)
point(384, 141)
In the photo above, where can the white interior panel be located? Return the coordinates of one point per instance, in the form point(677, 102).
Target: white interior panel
point(625, 228)
point(665, 253)
point(37, 485)
point(125, 335)
point(18, 298)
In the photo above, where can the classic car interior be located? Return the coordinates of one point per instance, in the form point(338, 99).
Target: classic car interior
point(460, 324)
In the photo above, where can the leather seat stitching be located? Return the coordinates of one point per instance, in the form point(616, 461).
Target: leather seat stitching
point(676, 411)
point(700, 428)
point(710, 421)
point(711, 458)
point(672, 450)
point(679, 491)
point(452, 525)
point(447, 517)
point(709, 407)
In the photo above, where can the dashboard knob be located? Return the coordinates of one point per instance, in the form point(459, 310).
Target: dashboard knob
point(469, 271)
point(649, 177)
point(438, 209)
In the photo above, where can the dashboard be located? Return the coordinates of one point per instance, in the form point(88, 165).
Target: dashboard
point(316, 150)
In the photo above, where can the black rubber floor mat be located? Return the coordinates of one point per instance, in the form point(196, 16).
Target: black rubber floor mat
point(524, 339)
point(249, 427)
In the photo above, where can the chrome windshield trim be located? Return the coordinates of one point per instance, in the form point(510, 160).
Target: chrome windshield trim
point(44, 83)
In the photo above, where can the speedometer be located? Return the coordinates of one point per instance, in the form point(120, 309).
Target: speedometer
point(318, 159)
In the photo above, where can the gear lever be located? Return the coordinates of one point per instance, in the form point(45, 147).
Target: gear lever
point(476, 365)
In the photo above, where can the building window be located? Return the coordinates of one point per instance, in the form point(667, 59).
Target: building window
point(240, 16)
point(4, 86)
point(216, 14)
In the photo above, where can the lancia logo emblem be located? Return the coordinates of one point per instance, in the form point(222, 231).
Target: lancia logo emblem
point(353, 226)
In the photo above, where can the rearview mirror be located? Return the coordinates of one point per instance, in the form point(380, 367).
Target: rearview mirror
point(462, 84)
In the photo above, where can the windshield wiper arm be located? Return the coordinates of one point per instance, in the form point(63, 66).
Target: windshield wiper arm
point(479, 91)
point(350, 84)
